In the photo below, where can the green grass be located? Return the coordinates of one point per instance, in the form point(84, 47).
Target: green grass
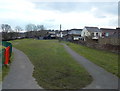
point(107, 60)
point(0, 76)
point(5, 69)
point(54, 67)
point(1, 47)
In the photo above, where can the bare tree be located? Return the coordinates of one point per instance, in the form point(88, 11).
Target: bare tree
point(31, 30)
point(7, 32)
point(31, 27)
point(18, 29)
point(40, 27)
point(6, 28)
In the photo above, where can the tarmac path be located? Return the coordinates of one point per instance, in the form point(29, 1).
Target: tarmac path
point(20, 75)
point(101, 78)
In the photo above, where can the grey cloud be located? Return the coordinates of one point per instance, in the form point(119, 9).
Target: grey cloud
point(50, 20)
point(100, 16)
point(109, 7)
point(113, 23)
point(63, 6)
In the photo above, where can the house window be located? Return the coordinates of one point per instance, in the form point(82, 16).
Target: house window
point(92, 34)
point(107, 34)
point(96, 34)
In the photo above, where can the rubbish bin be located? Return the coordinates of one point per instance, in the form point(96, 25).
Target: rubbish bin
point(7, 55)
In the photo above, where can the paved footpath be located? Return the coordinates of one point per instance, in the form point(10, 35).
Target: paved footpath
point(20, 75)
point(101, 78)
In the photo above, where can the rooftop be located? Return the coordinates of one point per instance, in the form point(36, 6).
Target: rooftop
point(93, 29)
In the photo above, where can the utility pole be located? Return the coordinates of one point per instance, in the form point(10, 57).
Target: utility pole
point(60, 34)
point(60, 27)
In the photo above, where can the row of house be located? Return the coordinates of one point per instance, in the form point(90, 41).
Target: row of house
point(92, 32)
point(74, 34)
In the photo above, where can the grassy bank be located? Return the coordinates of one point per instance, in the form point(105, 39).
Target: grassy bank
point(5, 69)
point(54, 67)
point(107, 60)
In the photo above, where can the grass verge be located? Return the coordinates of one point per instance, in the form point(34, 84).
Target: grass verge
point(54, 67)
point(5, 69)
point(107, 60)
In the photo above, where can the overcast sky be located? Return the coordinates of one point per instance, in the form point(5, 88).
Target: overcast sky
point(52, 14)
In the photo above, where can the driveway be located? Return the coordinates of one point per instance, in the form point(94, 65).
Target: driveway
point(101, 78)
point(20, 75)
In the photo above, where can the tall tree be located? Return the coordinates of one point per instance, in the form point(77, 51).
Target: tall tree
point(40, 27)
point(6, 28)
point(7, 32)
point(18, 29)
point(31, 27)
point(31, 30)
